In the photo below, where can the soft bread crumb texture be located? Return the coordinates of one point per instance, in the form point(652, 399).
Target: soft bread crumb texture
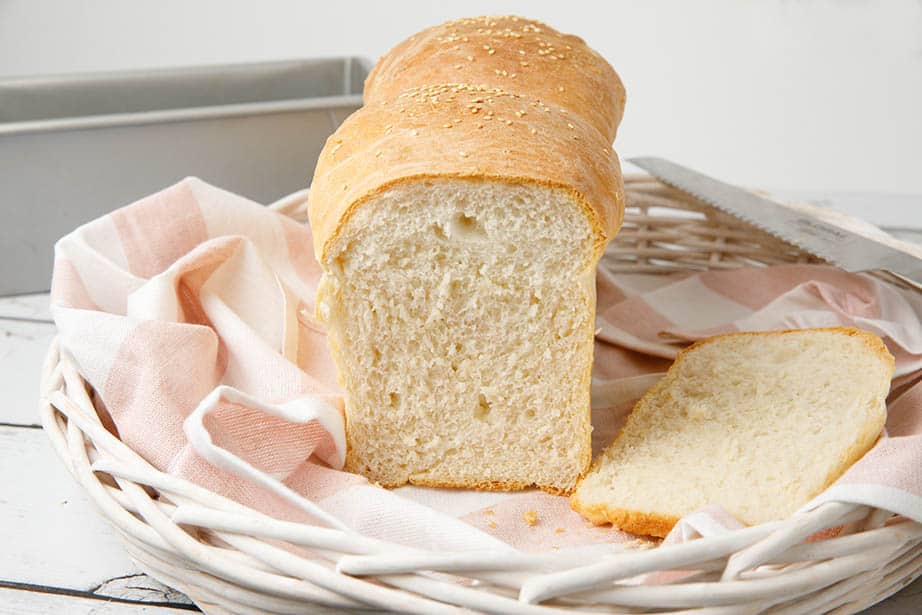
point(460, 314)
point(758, 423)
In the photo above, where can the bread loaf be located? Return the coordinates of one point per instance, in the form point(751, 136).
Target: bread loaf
point(458, 228)
point(758, 423)
point(511, 53)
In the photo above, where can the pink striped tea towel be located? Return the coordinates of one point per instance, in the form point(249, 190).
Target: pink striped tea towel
point(190, 314)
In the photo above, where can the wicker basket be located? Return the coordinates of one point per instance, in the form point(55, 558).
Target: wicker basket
point(232, 559)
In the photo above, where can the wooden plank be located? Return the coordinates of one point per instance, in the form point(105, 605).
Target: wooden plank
point(33, 307)
point(53, 535)
point(25, 602)
point(22, 353)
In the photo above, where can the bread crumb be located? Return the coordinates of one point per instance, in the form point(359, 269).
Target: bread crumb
point(639, 543)
point(531, 517)
point(559, 530)
point(488, 511)
point(491, 524)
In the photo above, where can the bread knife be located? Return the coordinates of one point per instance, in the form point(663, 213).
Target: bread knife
point(839, 246)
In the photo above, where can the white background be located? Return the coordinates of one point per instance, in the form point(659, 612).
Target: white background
point(819, 94)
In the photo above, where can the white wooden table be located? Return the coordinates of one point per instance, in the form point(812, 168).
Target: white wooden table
point(57, 556)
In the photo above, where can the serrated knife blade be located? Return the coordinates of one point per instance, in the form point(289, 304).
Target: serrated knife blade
point(841, 247)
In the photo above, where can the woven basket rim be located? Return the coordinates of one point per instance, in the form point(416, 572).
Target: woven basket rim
point(226, 557)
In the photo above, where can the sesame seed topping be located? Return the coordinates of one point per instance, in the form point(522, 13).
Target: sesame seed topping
point(570, 126)
point(414, 132)
point(508, 122)
point(345, 187)
point(470, 58)
point(521, 52)
point(462, 154)
point(446, 125)
point(378, 154)
point(519, 113)
point(560, 89)
point(458, 66)
point(475, 109)
point(479, 125)
point(534, 131)
point(523, 63)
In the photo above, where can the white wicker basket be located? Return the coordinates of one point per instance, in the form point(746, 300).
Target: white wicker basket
point(230, 559)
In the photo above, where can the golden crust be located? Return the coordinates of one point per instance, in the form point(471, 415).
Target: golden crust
point(655, 524)
point(465, 132)
point(511, 53)
point(630, 521)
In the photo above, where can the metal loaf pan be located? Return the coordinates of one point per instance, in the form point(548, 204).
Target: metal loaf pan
point(75, 147)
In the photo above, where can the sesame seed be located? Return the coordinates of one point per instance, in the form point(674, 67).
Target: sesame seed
point(519, 113)
point(475, 109)
point(521, 52)
point(491, 52)
point(470, 58)
point(523, 63)
point(486, 47)
point(534, 131)
point(378, 154)
point(345, 187)
point(508, 122)
point(458, 66)
point(514, 75)
point(479, 125)
point(570, 126)
point(446, 125)
point(414, 132)
point(564, 111)
point(560, 89)
point(462, 154)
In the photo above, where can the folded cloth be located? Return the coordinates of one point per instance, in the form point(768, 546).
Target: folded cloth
point(190, 313)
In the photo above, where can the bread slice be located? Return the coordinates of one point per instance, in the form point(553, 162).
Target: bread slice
point(458, 228)
point(758, 423)
point(510, 53)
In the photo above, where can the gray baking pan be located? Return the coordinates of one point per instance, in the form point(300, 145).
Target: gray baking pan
point(75, 147)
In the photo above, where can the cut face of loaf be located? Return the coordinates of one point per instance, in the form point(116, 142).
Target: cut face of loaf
point(758, 423)
point(461, 316)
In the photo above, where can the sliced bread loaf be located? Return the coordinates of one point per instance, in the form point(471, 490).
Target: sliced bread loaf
point(458, 228)
point(758, 423)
